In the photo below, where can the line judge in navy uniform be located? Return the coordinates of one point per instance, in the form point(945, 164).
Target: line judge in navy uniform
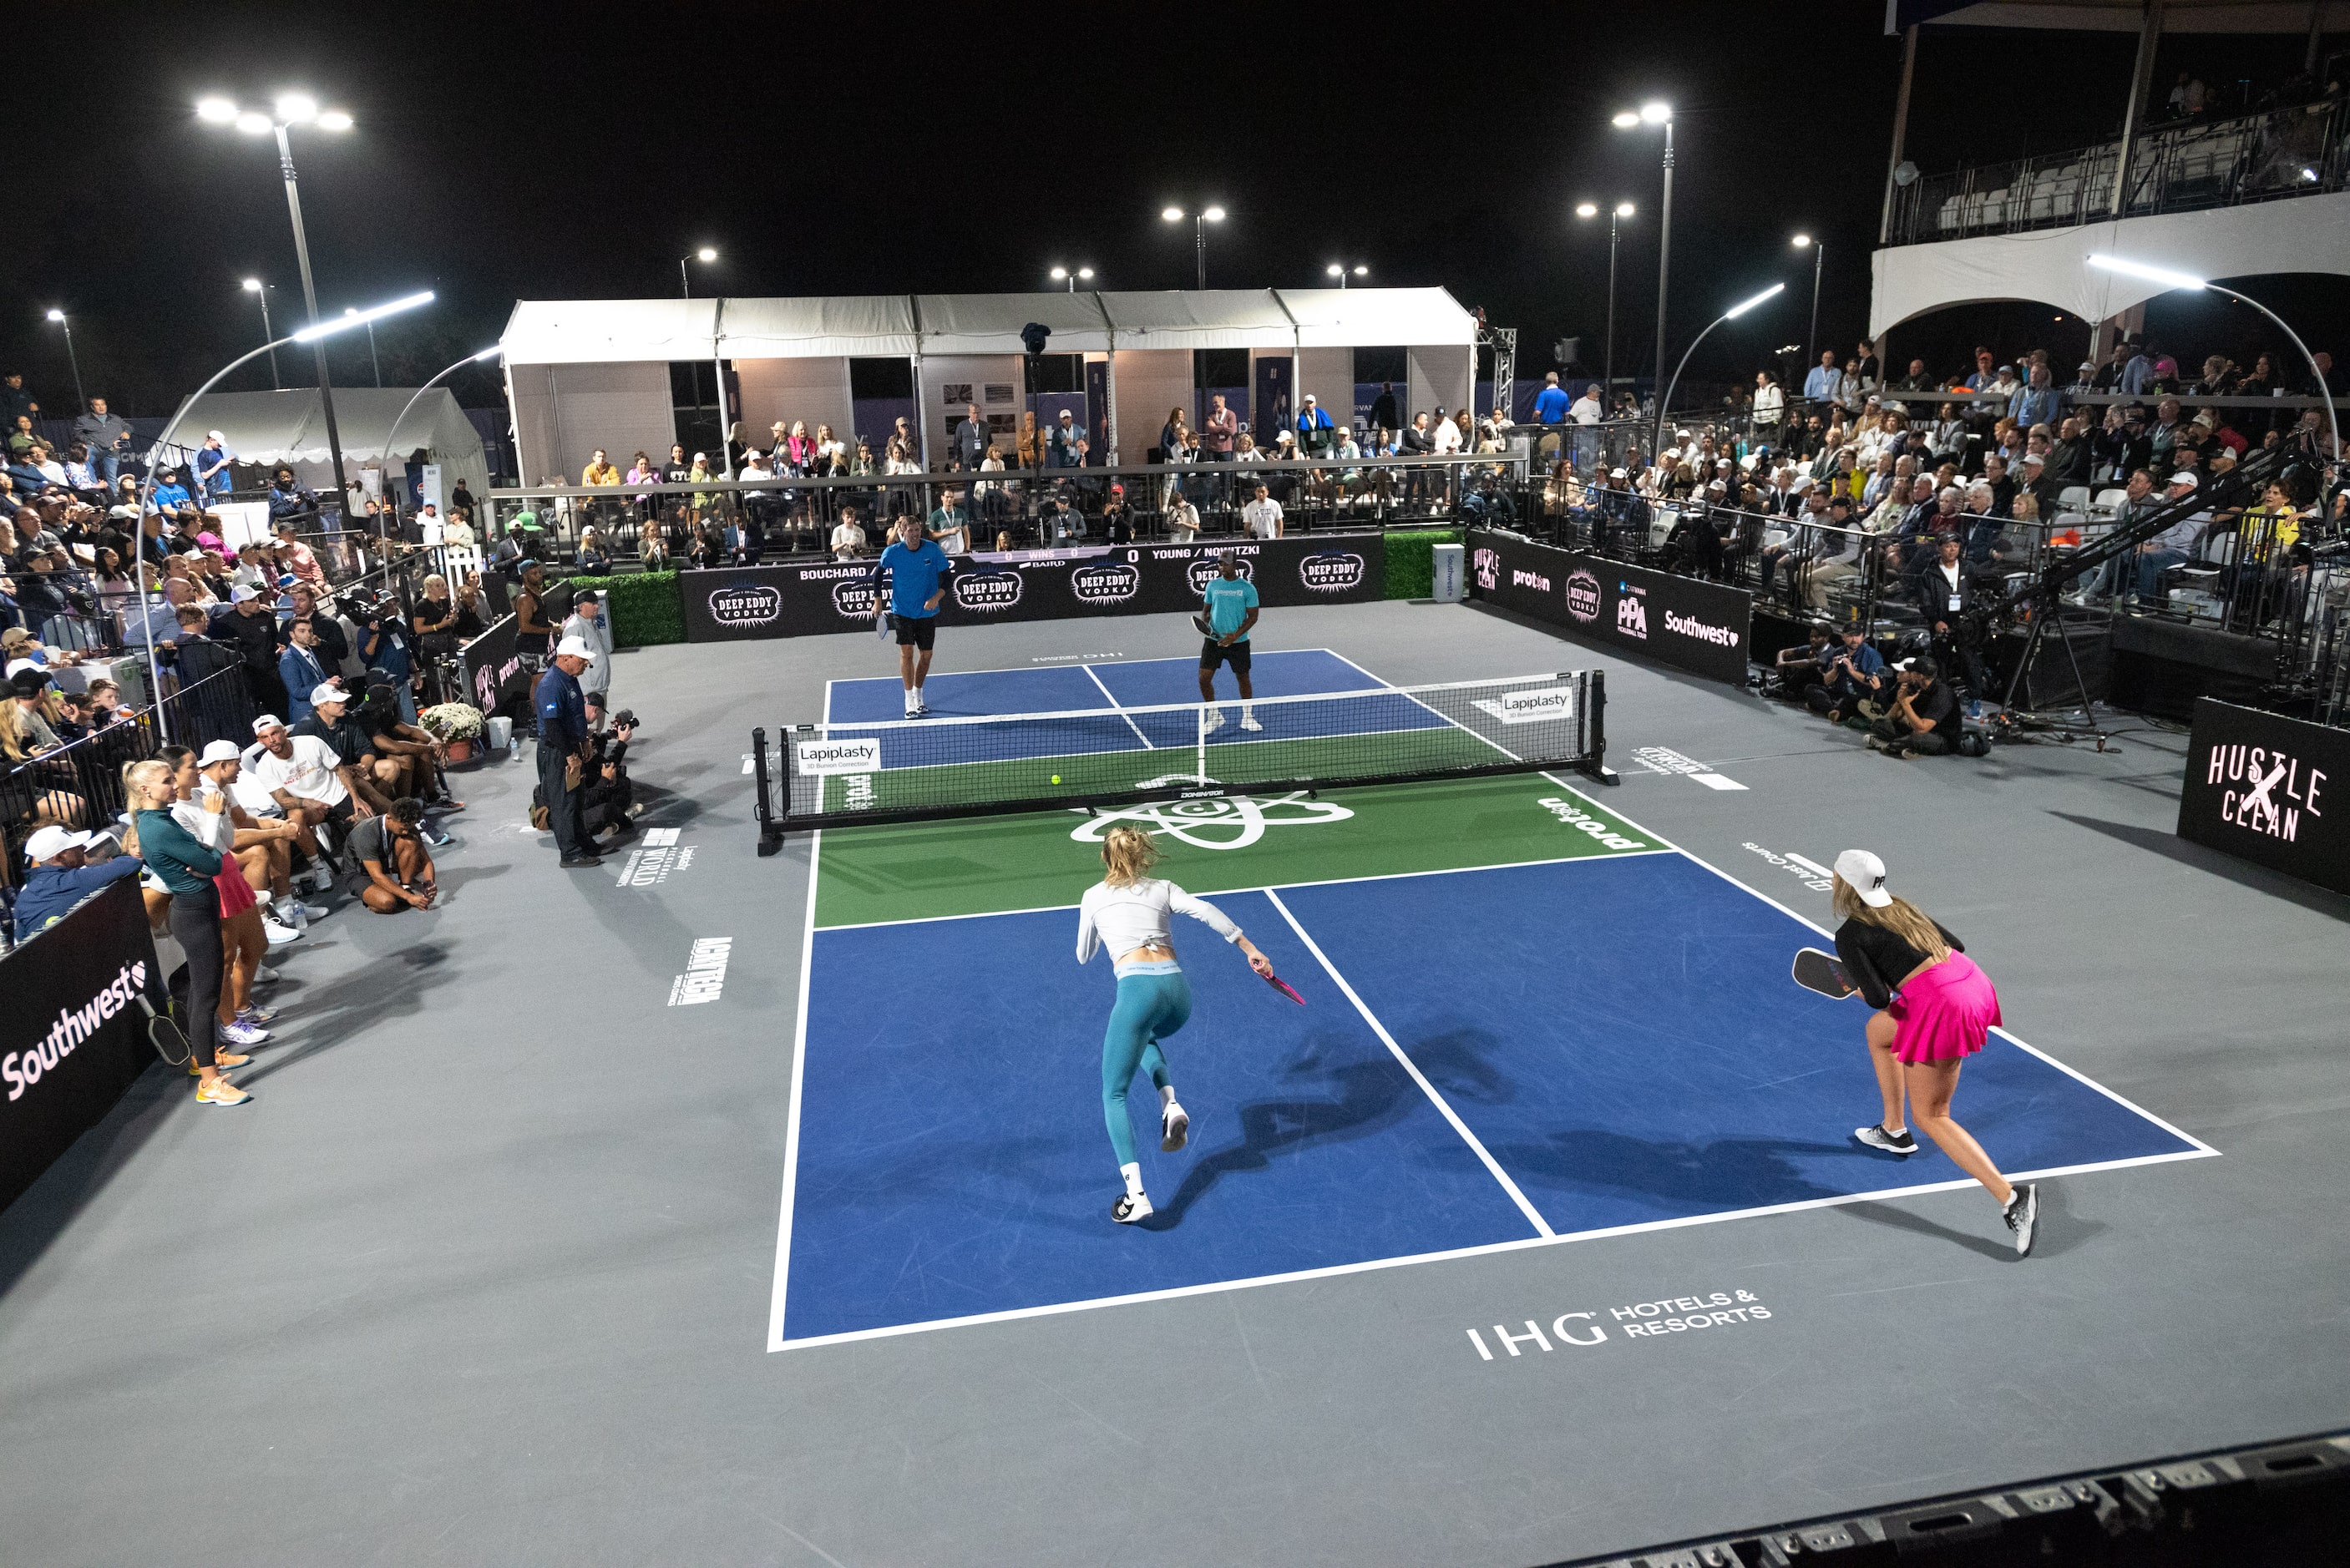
point(562, 710)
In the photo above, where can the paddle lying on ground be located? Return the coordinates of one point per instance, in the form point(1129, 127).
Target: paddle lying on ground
point(1816, 971)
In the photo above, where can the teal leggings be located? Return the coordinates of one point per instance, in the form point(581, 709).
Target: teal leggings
point(1150, 1008)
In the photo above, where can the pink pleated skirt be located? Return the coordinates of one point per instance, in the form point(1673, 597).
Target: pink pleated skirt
point(1945, 1013)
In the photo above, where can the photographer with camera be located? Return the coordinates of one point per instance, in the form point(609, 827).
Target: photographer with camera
point(1924, 720)
point(383, 647)
point(607, 799)
point(1854, 675)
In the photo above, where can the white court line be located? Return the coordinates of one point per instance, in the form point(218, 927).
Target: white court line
point(1532, 1214)
point(1813, 866)
point(1031, 669)
point(1640, 1228)
point(1120, 711)
point(792, 1116)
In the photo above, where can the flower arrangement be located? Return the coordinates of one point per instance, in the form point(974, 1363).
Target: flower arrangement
point(451, 721)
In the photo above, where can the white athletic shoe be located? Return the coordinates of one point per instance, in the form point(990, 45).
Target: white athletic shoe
point(279, 935)
point(265, 975)
point(2023, 1216)
point(1248, 722)
point(239, 1033)
point(1903, 1143)
point(1215, 720)
point(1130, 1207)
point(1174, 1128)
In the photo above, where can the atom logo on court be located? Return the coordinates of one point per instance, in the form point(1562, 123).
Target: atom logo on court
point(1228, 821)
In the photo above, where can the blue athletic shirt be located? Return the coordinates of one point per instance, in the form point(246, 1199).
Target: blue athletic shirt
point(914, 576)
point(1229, 601)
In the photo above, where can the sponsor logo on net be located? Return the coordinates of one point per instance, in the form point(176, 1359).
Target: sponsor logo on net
point(1582, 594)
point(1487, 565)
point(1105, 583)
point(1199, 572)
point(1690, 626)
point(1331, 572)
point(1540, 705)
point(822, 759)
point(706, 973)
point(2265, 790)
point(1631, 612)
point(747, 604)
point(856, 600)
point(20, 1070)
point(986, 592)
point(1230, 822)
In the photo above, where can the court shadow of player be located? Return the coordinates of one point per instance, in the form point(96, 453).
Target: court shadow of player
point(1728, 1173)
point(2060, 1230)
point(1371, 1095)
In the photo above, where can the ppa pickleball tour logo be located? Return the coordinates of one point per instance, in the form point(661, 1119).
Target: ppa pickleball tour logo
point(747, 605)
point(856, 598)
point(985, 592)
point(1331, 572)
point(1582, 594)
point(1105, 583)
point(1201, 571)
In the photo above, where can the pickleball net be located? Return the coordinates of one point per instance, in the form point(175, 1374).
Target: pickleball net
point(832, 774)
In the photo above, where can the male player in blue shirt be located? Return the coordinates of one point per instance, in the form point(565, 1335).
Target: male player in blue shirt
point(1231, 612)
point(918, 571)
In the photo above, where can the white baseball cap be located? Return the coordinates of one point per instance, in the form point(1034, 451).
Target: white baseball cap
point(51, 842)
point(218, 751)
point(267, 721)
point(327, 694)
point(242, 594)
point(574, 648)
point(1865, 873)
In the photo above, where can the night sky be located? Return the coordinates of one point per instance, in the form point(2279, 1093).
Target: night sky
point(543, 151)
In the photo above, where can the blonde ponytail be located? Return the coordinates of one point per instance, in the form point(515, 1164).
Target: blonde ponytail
point(1902, 917)
point(1129, 854)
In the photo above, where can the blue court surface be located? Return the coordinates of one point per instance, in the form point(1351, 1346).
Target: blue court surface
point(1082, 688)
point(1491, 1058)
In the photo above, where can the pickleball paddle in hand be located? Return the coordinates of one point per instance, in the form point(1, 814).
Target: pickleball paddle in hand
point(1816, 971)
point(1284, 987)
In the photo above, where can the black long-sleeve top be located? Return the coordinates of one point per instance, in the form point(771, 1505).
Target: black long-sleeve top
point(1877, 960)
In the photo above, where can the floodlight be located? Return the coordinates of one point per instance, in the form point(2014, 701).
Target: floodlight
point(1655, 113)
point(1623, 209)
point(1586, 209)
point(1802, 239)
point(1173, 215)
point(334, 120)
point(252, 285)
point(2151, 273)
point(362, 318)
point(298, 108)
point(1214, 214)
point(254, 123)
point(1626, 120)
point(57, 316)
point(706, 253)
point(219, 110)
point(1745, 305)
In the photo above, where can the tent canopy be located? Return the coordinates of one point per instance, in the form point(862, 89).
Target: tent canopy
point(614, 331)
point(290, 427)
point(2124, 15)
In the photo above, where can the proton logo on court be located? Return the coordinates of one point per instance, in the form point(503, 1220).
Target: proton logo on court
point(1331, 572)
point(1105, 583)
point(746, 604)
point(1582, 594)
point(1226, 822)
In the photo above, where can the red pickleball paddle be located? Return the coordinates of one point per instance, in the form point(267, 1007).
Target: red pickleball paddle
point(1284, 987)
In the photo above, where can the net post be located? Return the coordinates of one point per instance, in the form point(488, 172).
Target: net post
point(771, 838)
point(1594, 709)
point(1200, 721)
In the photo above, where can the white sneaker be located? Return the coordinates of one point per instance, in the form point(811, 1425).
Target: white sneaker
point(1215, 720)
point(1174, 1128)
point(320, 879)
point(265, 975)
point(1248, 722)
point(1130, 1207)
point(243, 1033)
point(279, 935)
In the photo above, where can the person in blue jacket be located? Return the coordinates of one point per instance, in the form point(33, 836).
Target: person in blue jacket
point(61, 877)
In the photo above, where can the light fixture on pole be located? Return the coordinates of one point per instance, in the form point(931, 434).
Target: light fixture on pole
point(1615, 216)
point(1341, 272)
point(80, 402)
point(260, 291)
point(314, 333)
point(1658, 113)
point(1200, 222)
point(374, 364)
point(1063, 274)
point(685, 284)
point(1811, 341)
point(291, 109)
point(2170, 279)
point(492, 352)
point(1733, 314)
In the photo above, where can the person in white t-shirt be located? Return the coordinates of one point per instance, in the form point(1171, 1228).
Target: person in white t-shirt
point(1262, 517)
point(302, 775)
point(847, 536)
point(1182, 520)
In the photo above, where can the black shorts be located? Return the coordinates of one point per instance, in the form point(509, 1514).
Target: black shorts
point(1212, 653)
point(916, 630)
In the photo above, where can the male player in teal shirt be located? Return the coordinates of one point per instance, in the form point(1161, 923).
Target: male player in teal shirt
point(918, 571)
point(1231, 612)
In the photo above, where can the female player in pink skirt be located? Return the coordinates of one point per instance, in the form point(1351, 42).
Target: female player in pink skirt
point(1935, 1009)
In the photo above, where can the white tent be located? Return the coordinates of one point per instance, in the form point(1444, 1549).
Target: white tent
point(290, 427)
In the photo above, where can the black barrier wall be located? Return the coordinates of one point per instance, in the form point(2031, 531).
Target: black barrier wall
point(2263, 787)
point(495, 679)
point(1700, 627)
point(749, 602)
point(71, 1038)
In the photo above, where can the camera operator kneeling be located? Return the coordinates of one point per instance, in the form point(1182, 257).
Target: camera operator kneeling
point(607, 799)
point(1924, 718)
point(394, 866)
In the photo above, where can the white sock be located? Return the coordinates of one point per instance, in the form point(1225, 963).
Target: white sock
point(1133, 1174)
point(1248, 709)
point(1166, 1096)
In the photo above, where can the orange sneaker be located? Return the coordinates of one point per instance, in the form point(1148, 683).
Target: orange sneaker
point(221, 1092)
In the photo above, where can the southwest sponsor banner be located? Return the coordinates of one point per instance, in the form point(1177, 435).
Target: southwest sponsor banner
point(2269, 789)
point(1698, 625)
point(495, 679)
point(72, 1037)
point(1036, 585)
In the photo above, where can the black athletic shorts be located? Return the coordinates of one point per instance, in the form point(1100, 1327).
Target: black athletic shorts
point(916, 630)
point(1212, 653)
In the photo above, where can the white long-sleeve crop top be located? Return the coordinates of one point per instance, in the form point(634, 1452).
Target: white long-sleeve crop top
point(1137, 916)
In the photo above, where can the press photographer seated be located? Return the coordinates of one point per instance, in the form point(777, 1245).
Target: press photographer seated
point(1923, 718)
point(393, 868)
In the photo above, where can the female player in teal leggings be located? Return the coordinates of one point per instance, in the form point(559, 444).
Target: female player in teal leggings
point(1127, 912)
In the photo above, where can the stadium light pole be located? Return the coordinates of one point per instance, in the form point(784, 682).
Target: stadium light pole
point(80, 402)
point(374, 364)
point(684, 283)
point(1062, 273)
point(1659, 112)
point(1615, 216)
point(260, 291)
point(1340, 271)
point(491, 352)
point(291, 109)
point(1819, 254)
point(312, 334)
point(1200, 222)
point(1735, 311)
point(2189, 281)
